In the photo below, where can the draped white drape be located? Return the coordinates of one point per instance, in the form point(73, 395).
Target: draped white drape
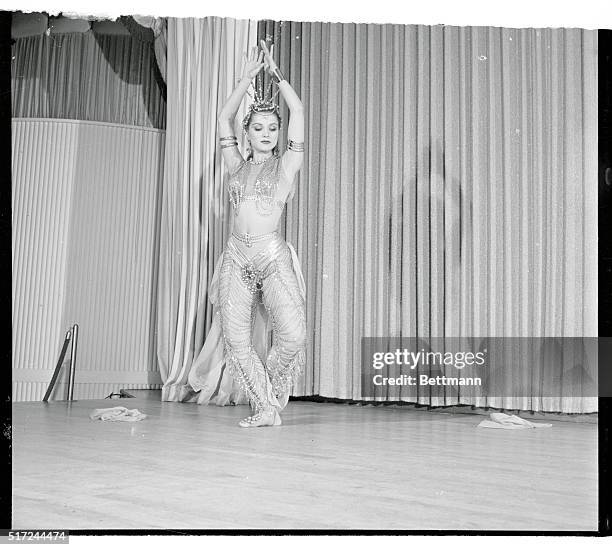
point(205, 58)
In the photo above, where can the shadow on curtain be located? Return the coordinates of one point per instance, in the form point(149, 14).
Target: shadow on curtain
point(83, 76)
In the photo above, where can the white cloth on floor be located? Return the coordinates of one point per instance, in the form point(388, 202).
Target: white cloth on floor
point(510, 422)
point(117, 414)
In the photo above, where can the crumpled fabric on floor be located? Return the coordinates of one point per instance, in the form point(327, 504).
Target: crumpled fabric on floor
point(510, 422)
point(117, 414)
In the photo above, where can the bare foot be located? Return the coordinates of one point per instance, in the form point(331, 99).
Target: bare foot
point(264, 418)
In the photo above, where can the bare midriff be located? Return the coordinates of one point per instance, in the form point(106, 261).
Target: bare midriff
point(250, 221)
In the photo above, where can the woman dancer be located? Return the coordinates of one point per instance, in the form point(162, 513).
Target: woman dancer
point(257, 265)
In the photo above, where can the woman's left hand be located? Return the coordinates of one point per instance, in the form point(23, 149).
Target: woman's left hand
point(269, 63)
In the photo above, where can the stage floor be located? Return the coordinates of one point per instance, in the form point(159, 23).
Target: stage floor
point(330, 466)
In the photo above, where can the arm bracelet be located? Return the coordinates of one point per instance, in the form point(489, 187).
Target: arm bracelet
point(226, 145)
point(277, 74)
point(228, 138)
point(297, 146)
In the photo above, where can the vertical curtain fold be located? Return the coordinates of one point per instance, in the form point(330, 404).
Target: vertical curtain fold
point(85, 197)
point(205, 58)
point(448, 190)
point(83, 76)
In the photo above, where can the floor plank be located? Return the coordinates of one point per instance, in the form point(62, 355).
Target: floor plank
point(330, 466)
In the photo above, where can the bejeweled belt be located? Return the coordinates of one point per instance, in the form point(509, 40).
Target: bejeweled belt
point(248, 239)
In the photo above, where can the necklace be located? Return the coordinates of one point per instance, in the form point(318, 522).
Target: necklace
point(251, 161)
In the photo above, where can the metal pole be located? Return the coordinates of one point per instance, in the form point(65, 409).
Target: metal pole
point(58, 367)
point(73, 352)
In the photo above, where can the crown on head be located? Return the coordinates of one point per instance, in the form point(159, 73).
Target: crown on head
point(262, 103)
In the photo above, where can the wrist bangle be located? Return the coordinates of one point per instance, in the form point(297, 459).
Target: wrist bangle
point(277, 74)
point(297, 146)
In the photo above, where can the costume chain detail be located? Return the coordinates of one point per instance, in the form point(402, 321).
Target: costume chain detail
point(264, 189)
point(267, 277)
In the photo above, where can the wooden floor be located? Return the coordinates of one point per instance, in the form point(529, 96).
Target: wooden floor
point(330, 466)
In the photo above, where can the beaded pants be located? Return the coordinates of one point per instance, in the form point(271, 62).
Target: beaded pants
point(267, 277)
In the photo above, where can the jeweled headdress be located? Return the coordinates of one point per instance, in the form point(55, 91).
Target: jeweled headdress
point(262, 103)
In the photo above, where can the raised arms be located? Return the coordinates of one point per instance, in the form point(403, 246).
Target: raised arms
point(292, 159)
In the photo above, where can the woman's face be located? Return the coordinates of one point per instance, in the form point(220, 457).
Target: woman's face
point(263, 132)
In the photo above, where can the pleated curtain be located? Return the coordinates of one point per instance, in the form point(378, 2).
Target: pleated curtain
point(449, 189)
point(84, 76)
point(204, 64)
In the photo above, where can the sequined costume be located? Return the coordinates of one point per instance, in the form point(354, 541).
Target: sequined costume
point(252, 296)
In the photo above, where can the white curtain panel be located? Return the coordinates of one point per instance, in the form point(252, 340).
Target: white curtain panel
point(205, 60)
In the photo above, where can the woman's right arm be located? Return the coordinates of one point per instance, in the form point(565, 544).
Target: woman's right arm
point(228, 140)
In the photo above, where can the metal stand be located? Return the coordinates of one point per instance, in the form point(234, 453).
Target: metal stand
point(73, 335)
point(73, 352)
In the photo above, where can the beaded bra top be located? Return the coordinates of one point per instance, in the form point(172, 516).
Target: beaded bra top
point(264, 189)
